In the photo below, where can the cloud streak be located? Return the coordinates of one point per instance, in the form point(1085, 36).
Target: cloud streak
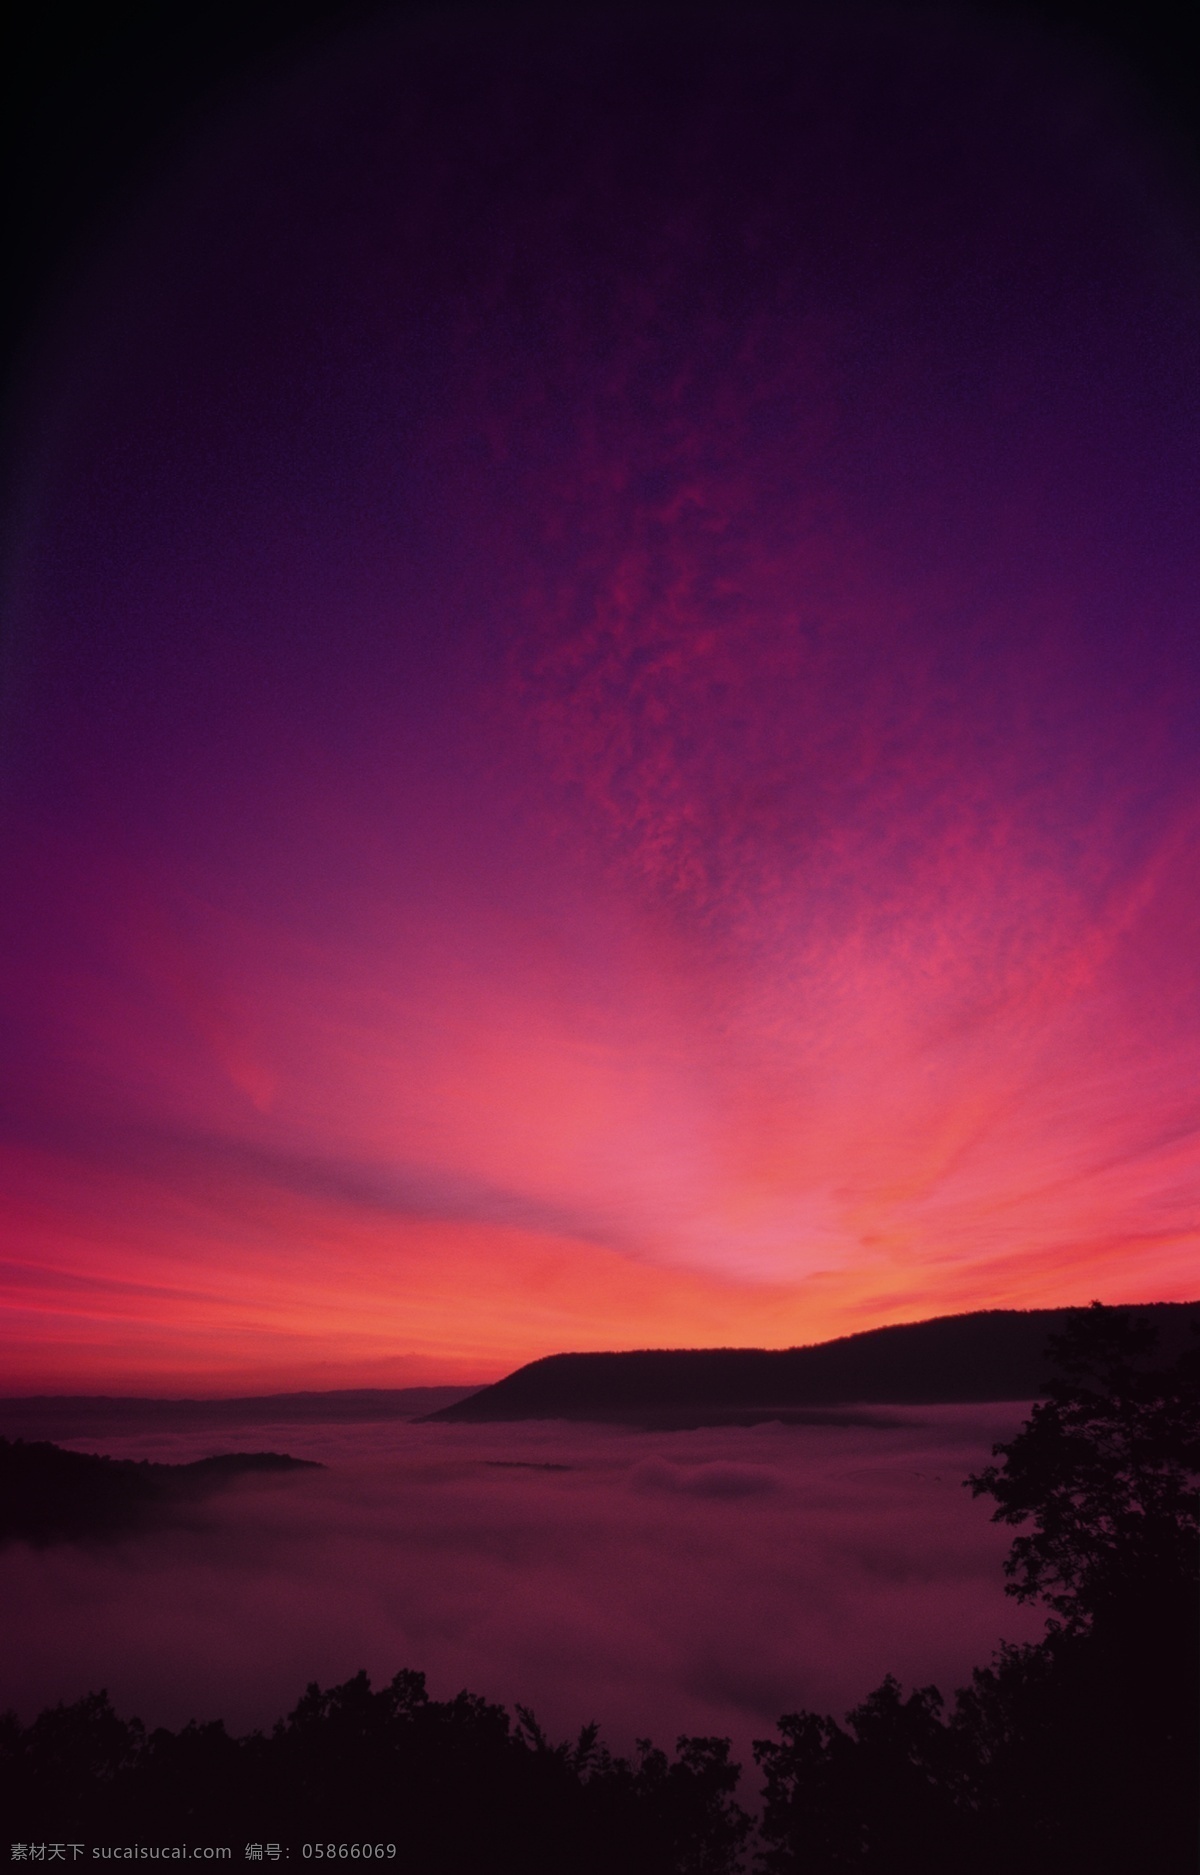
point(609, 749)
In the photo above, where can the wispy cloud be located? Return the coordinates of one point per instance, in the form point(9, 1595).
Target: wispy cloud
point(609, 744)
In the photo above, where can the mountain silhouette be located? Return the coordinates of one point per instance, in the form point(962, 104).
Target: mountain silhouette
point(48, 1495)
point(992, 1354)
point(1079, 1752)
point(96, 1415)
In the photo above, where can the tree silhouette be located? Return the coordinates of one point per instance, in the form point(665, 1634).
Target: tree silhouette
point(452, 1782)
point(869, 1797)
point(1101, 1722)
point(1106, 1469)
point(1076, 1753)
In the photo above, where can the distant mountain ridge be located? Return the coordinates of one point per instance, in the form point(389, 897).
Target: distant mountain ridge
point(94, 1415)
point(991, 1354)
point(51, 1496)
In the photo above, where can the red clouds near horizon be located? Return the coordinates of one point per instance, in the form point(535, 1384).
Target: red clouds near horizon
point(604, 701)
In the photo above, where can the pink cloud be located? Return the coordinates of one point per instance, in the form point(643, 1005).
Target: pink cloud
point(607, 751)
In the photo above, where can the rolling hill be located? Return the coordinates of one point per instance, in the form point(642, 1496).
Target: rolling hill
point(48, 1495)
point(994, 1354)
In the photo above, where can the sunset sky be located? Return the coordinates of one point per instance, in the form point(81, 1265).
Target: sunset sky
point(601, 712)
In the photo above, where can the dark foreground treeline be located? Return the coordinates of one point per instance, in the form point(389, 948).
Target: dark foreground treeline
point(1079, 1753)
point(452, 1783)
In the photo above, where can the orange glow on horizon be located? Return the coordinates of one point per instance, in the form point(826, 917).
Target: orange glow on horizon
point(605, 745)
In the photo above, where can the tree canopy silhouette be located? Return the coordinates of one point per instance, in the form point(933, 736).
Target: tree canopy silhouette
point(1076, 1753)
point(1079, 1752)
point(452, 1782)
point(1106, 1469)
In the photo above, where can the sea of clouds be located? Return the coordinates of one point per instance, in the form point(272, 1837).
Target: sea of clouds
point(661, 1582)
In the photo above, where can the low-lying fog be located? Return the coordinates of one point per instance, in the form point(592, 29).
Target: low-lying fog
point(701, 1581)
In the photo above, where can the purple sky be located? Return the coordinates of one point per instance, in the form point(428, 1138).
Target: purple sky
point(603, 711)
